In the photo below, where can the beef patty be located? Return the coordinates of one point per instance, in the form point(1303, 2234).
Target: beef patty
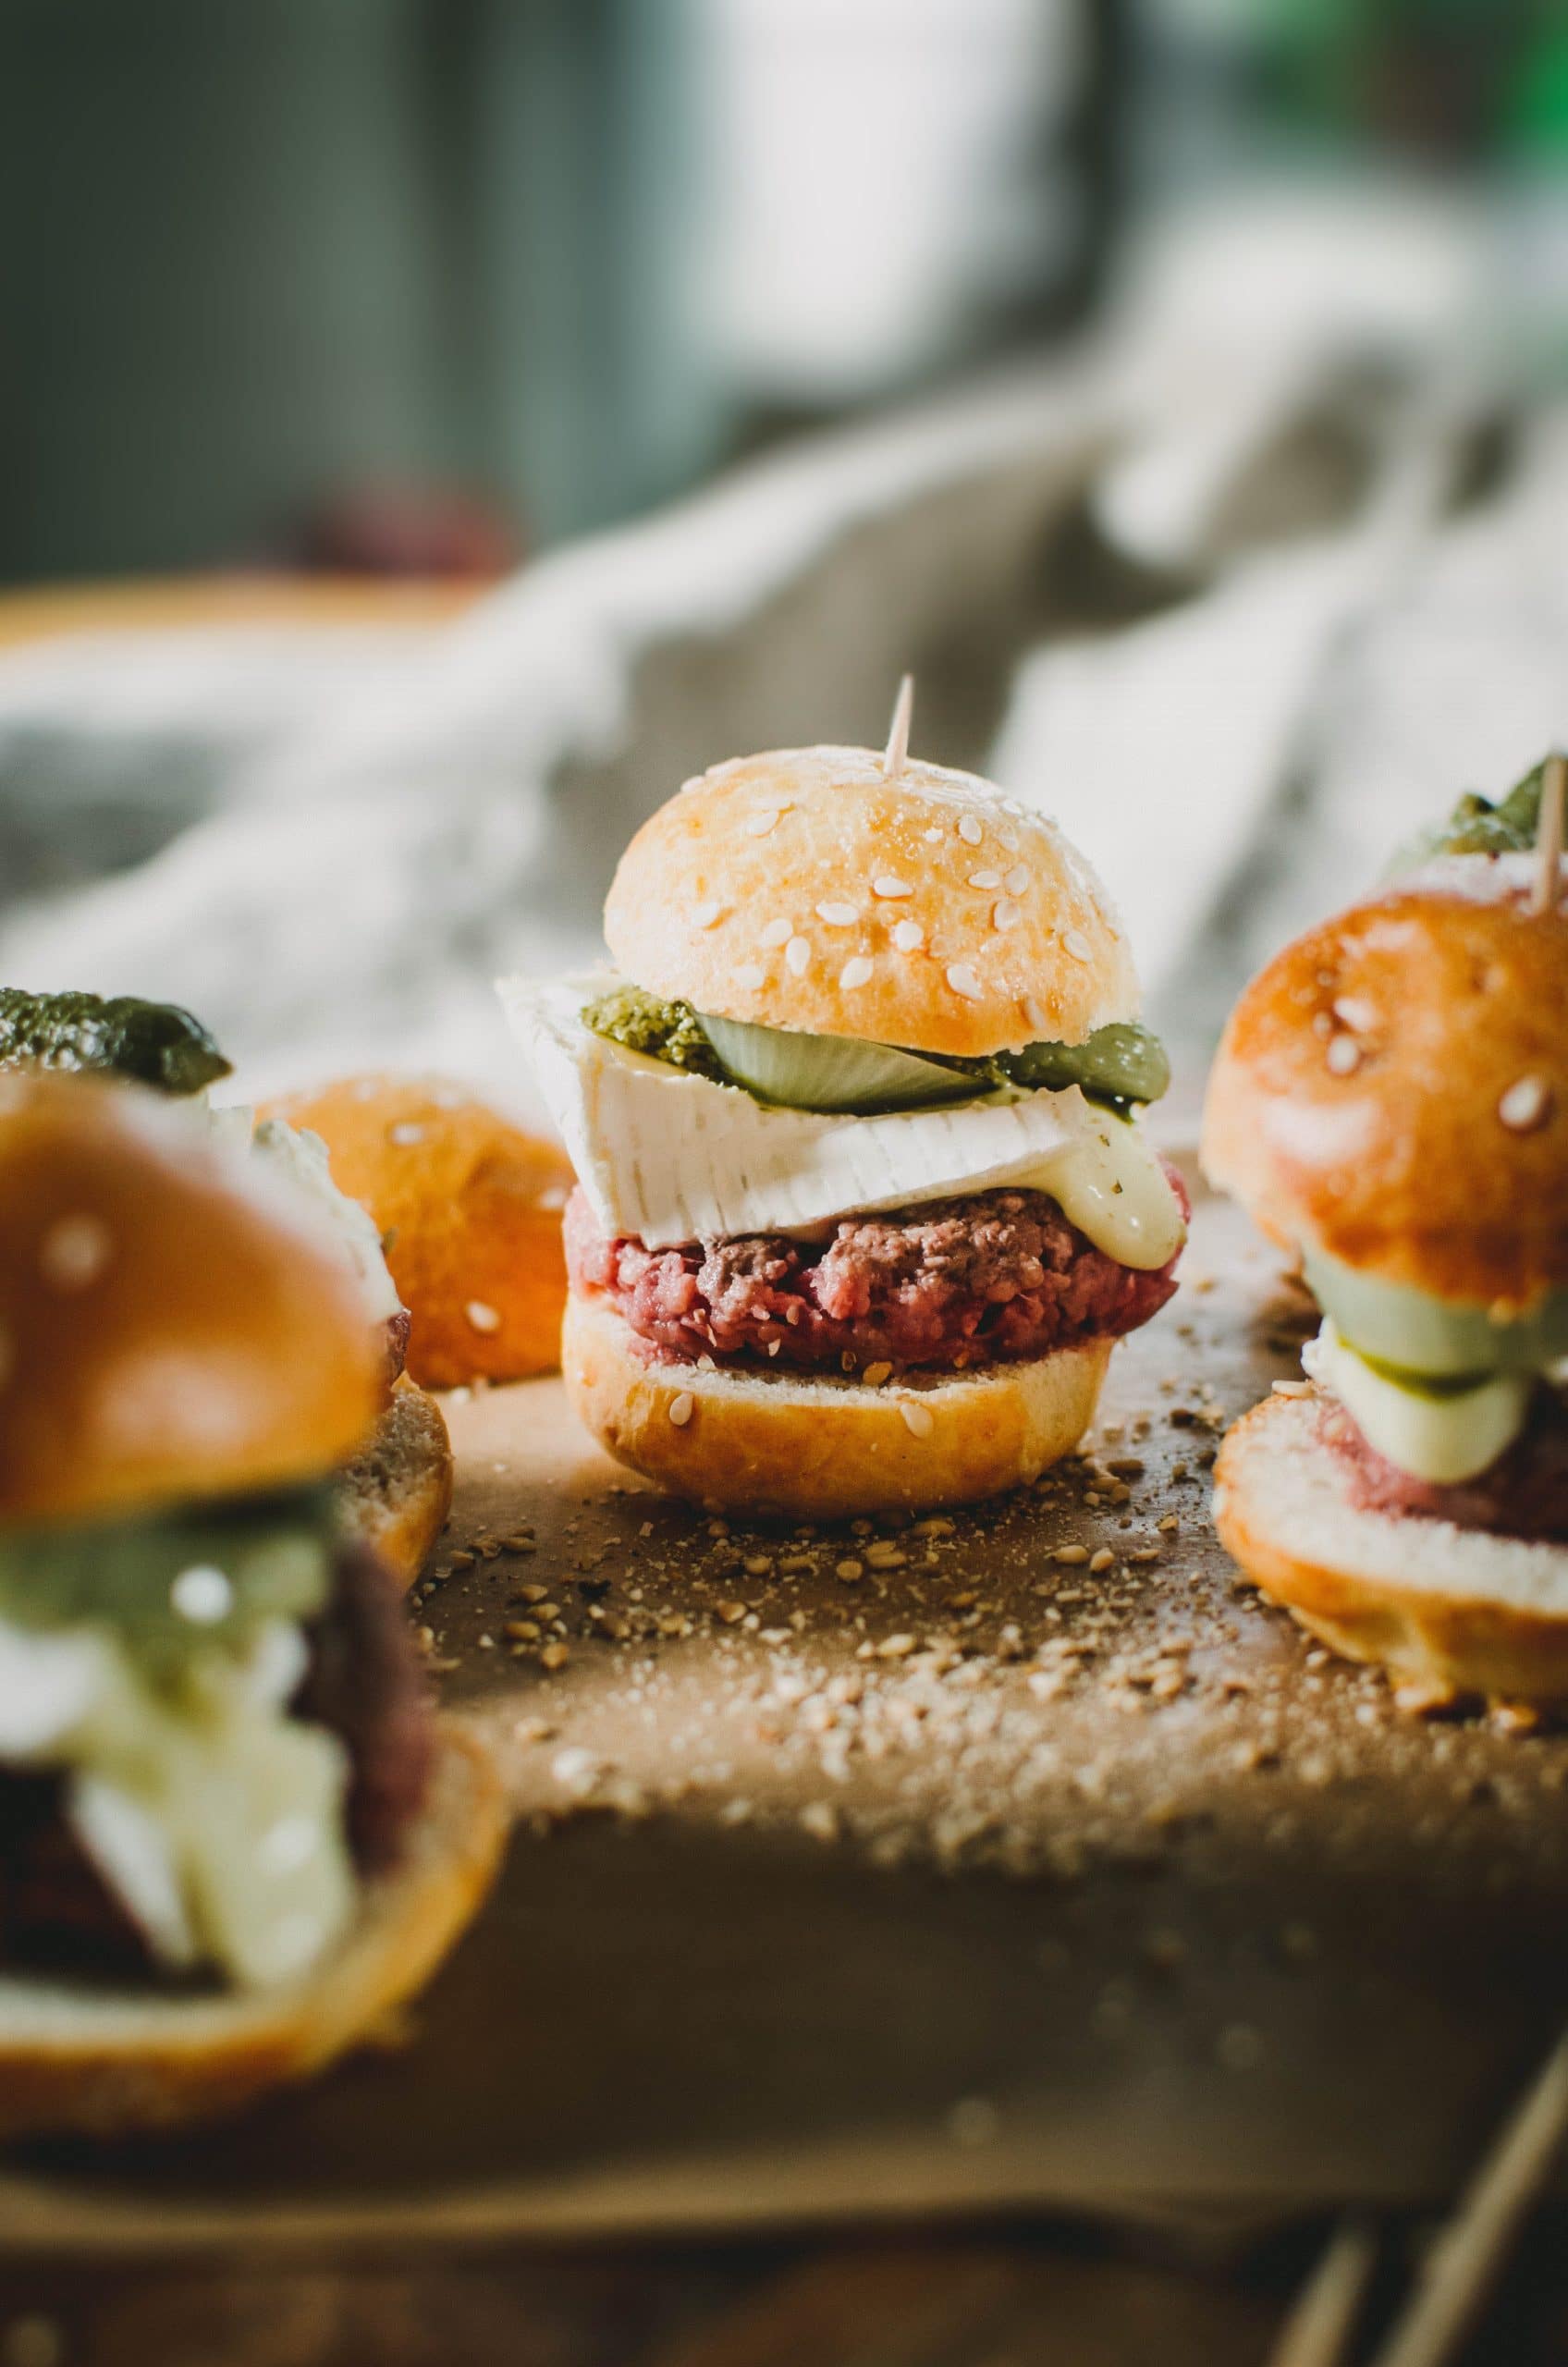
point(364, 1683)
point(1524, 1493)
point(994, 1277)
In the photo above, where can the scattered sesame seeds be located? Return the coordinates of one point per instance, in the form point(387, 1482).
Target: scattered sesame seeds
point(1017, 879)
point(969, 829)
point(962, 980)
point(987, 879)
point(1344, 1055)
point(1078, 944)
point(918, 1419)
point(1034, 1012)
point(483, 1317)
point(855, 972)
point(202, 1594)
point(1526, 1105)
point(909, 937)
point(706, 915)
point(751, 974)
point(839, 915)
point(888, 884)
point(875, 1375)
point(776, 934)
point(797, 956)
point(1005, 914)
point(405, 1133)
point(74, 1251)
point(681, 1408)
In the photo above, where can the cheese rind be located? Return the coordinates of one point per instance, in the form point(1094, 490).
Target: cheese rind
point(667, 1156)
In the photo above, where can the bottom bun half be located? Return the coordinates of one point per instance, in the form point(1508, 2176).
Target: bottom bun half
point(1448, 1610)
point(397, 1492)
point(110, 2061)
point(785, 1446)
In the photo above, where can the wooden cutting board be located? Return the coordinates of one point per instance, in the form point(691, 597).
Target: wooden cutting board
point(922, 1869)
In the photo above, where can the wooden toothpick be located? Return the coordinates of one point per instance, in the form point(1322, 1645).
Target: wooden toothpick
point(898, 737)
point(1549, 834)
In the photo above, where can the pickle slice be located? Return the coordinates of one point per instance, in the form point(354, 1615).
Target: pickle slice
point(154, 1043)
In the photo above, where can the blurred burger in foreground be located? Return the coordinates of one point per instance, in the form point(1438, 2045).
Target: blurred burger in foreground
point(469, 1206)
point(864, 1202)
point(234, 1835)
point(397, 1490)
point(1391, 1100)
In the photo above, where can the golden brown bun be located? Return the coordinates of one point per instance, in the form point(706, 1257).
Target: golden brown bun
point(471, 1207)
point(1446, 1608)
point(823, 1449)
point(1394, 1154)
point(166, 1329)
point(110, 2061)
point(397, 1492)
point(1056, 969)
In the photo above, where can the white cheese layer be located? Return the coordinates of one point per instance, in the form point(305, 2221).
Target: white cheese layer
point(1442, 1438)
point(668, 1157)
point(299, 1159)
point(214, 1816)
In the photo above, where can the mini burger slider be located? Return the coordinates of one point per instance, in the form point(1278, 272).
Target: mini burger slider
point(398, 1489)
point(232, 1834)
point(1391, 1101)
point(862, 1201)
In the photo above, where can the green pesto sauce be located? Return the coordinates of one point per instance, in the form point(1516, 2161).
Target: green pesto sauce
point(156, 1582)
point(1477, 826)
point(152, 1043)
point(1122, 1065)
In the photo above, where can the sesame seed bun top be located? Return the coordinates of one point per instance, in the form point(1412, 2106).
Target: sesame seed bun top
point(1393, 1087)
point(166, 1332)
point(806, 889)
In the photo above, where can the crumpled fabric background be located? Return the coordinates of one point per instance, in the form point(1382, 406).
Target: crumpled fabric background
point(1244, 594)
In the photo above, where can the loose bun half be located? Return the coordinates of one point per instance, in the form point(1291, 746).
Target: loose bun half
point(804, 889)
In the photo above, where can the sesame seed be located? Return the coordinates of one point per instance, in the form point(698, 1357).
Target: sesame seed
point(1005, 914)
point(962, 980)
point(797, 956)
point(757, 826)
point(706, 915)
point(751, 974)
point(855, 972)
point(74, 1251)
point(681, 1408)
point(1077, 945)
point(775, 934)
point(1034, 1012)
point(483, 1317)
point(839, 915)
point(909, 937)
point(919, 1421)
point(1344, 1055)
point(886, 883)
point(1526, 1105)
point(1017, 879)
point(202, 1594)
point(987, 879)
point(969, 830)
point(405, 1133)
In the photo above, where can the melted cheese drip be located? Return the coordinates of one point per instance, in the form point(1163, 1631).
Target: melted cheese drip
point(1109, 1182)
point(215, 1817)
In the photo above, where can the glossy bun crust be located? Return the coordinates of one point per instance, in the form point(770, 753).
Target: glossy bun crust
point(167, 1331)
point(471, 1207)
point(1393, 1087)
point(1004, 938)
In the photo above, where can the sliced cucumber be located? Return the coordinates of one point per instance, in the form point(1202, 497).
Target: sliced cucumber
point(832, 1073)
point(1395, 1324)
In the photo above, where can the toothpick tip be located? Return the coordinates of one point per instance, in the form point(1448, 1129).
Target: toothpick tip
point(896, 753)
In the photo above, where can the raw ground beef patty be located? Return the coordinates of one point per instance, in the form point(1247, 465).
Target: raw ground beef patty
point(998, 1277)
point(1524, 1493)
